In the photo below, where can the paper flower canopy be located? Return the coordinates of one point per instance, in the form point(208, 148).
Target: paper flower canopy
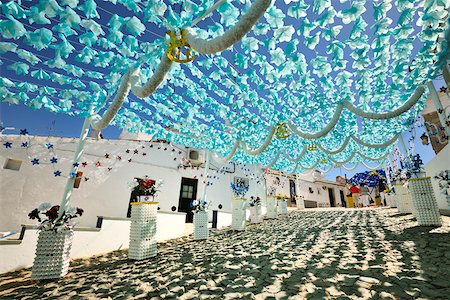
point(347, 75)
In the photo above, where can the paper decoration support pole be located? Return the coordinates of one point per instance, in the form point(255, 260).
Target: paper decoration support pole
point(403, 145)
point(388, 179)
point(205, 174)
point(210, 10)
point(76, 158)
point(438, 105)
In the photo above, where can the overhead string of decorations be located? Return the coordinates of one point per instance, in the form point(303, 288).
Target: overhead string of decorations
point(229, 85)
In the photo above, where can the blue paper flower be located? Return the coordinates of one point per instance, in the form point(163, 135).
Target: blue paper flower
point(54, 160)
point(57, 173)
point(7, 145)
point(35, 161)
point(23, 132)
point(24, 144)
point(49, 146)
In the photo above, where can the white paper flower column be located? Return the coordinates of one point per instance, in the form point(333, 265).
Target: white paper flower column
point(282, 207)
point(143, 230)
point(255, 214)
point(271, 208)
point(201, 225)
point(390, 200)
point(424, 202)
point(52, 254)
point(404, 201)
point(238, 213)
point(300, 200)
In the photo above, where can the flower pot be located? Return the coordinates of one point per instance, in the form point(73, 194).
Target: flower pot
point(425, 205)
point(282, 207)
point(255, 214)
point(201, 225)
point(271, 208)
point(52, 254)
point(238, 213)
point(146, 198)
point(143, 230)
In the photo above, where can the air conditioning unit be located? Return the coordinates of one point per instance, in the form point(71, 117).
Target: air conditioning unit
point(195, 157)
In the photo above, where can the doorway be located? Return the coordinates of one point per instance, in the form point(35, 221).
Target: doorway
point(341, 193)
point(331, 196)
point(188, 193)
point(293, 192)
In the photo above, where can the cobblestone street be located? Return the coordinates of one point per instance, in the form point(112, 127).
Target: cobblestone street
point(311, 254)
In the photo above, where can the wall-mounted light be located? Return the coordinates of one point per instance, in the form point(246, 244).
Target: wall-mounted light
point(424, 138)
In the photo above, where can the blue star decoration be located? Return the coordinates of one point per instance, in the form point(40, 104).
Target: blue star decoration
point(23, 132)
point(24, 144)
point(49, 146)
point(35, 161)
point(75, 165)
point(7, 145)
point(54, 160)
point(57, 173)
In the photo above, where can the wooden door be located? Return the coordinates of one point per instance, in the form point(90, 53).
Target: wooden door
point(188, 193)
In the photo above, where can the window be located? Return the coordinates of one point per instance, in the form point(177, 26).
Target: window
point(187, 191)
point(12, 164)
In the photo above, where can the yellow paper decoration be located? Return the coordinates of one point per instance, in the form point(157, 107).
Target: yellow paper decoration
point(312, 147)
point(282, 131)
point(177, 44)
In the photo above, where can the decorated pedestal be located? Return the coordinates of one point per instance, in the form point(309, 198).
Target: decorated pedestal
point(271, 208)
point(255, 214)
point(282, 207)
point(300, 202)
point(52, 254)
point(201, 225)
point(378, 200)
point(390, 200)
point(424, 202)
point(404, 201)
point(143, 230)
point(350, 203)
point(238, 213)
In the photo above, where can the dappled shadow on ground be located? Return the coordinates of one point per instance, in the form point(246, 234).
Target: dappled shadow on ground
point(307, 255)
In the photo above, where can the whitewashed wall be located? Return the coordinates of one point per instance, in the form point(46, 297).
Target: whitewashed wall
point(280, 189)
point(319, 195)
point(439, 163)
point(106, 193)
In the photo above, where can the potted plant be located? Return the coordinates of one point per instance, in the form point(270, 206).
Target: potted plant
point(200, 209)
point(282, 204)
point(255, 209)
point(143, 219)
point(54, 241)
point(238, 204)
point(145, 189)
